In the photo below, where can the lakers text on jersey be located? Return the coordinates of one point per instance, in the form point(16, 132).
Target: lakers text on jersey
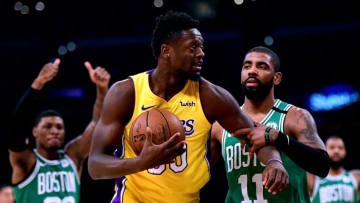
point(182, 180)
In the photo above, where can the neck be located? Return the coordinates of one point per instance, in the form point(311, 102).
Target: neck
point(48, 154)
point(166, 82)
point(264, 106)
point(335, 172)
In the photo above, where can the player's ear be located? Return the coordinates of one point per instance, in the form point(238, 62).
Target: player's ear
point(277, 78)
point(34, 131)
point(165, 51)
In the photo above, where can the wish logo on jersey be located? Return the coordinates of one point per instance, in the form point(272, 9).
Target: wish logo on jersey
point(189, 104)
point(188, 126)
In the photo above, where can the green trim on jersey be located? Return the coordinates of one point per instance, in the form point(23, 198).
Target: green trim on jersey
point(244, 174)
point(342, 188)
point(51, 181)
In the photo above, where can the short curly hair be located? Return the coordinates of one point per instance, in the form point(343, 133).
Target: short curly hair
point(46, 113)
point(169, 27)
point(274, 57)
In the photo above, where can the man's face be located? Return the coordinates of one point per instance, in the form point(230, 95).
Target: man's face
point(257, 76)
point(50, 132)
point(186, 52)
point(6, 195)
point(336, 149)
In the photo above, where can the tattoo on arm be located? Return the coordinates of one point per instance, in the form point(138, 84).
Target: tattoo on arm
point(310, 130)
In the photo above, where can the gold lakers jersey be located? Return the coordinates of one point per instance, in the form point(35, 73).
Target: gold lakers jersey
point(178, 182)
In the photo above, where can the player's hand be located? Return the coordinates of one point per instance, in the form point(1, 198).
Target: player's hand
point(153, 155)
point(255, 136)
point(275, 177)
point(99, 76)
point(47, 73)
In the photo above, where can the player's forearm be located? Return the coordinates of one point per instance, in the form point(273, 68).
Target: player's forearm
point(20, 118)
point(313, 160)
point(100, 95)
point(38, 84)
point(102, 166)
point(268, 152)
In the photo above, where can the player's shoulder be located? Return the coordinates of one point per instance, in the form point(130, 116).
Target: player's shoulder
point(356, 173)
point(121, 93)
point(296, 118)
point(121, 84)
point(297, 112)
point(120, 88)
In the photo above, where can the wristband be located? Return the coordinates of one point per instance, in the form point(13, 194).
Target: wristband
point(273, 159)
point(267, 138)
point(282, 141)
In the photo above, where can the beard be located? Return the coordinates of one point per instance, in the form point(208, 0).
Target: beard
point(336, 164)
point(259, 93)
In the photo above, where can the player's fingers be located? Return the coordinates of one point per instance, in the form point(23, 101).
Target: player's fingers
point(252, 151)
point(271, 179)
point(174, 150)
point(287, 181)
point(257, 124)
point(108, 76)
point(265, 177)
point(283, 182)
point(274, 188)
point(242, 145)
point(241, 133)
point(169, 161)
point(148, 137)
point(103, 73)
point(172, 141)
point(89, 66)
point(181, 150)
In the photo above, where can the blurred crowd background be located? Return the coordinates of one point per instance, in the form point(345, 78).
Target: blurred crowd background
point(318, 43)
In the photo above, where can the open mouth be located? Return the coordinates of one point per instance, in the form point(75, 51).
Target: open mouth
point(197, 66)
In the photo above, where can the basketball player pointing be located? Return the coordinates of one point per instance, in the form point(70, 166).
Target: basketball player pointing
point(178, 46)
point(291, 129)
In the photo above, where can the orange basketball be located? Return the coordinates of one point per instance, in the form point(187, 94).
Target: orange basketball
point(163, 124)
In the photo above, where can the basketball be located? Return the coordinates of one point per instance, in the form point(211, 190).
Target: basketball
point(163, 124)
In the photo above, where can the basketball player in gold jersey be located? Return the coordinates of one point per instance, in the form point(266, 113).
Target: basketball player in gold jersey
point(176, 170)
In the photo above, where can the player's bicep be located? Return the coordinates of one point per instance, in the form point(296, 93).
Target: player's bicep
point(22, 163)
point(300, 124)
point(24, 158)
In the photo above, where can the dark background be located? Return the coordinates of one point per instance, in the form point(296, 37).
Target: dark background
point(317, 41)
